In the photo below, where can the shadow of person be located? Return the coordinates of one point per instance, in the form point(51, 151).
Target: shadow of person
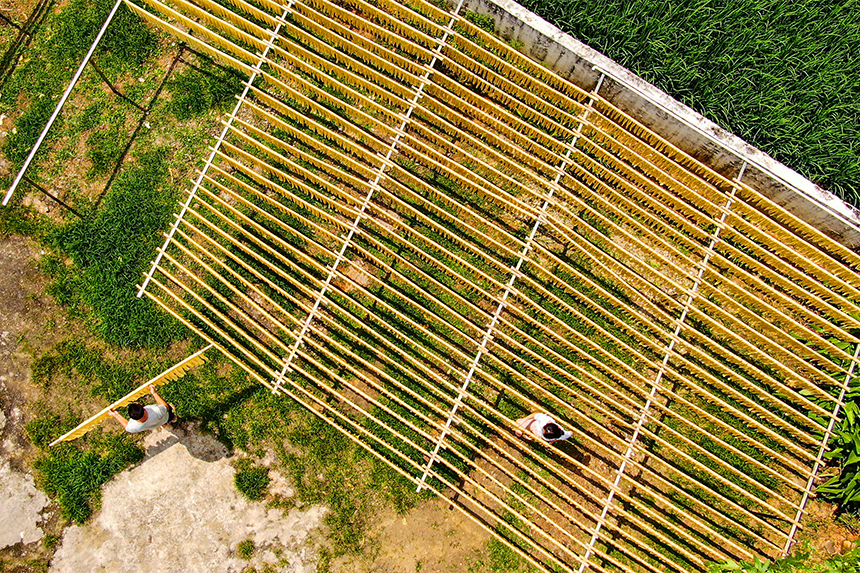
point(574, 451)
point(199, 445)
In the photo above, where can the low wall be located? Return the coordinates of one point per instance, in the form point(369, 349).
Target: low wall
point(698, 136)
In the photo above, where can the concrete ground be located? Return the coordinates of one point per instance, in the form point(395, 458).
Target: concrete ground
point(181, 497)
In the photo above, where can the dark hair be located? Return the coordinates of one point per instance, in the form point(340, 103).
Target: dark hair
point(551, 431)
point(135, 411)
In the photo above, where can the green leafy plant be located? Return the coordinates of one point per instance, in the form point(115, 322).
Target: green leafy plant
point(484, 21)
point(800, 562)
point(844, 489)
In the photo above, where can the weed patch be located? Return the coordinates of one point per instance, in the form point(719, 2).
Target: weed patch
point(499, 558)
point(246, 549)
point(251, 480)
point(800, 562)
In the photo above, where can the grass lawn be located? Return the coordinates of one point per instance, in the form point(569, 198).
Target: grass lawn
point(781, 75)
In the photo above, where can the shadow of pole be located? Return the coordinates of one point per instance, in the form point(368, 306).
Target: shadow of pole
point(10, 58)
point(146, 111)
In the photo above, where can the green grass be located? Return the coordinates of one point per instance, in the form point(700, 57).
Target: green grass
point(251, 480)
point(499, 558)
point(781, 75)
point(110, 251)
point(38, 82)
point(73, 474)
point(800, 562)
point(196, 92)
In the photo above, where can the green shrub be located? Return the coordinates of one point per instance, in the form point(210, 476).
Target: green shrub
point(251, 481)
point(844, 489)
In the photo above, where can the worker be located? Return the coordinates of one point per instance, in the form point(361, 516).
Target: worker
point(146, 417)
point(541, 426)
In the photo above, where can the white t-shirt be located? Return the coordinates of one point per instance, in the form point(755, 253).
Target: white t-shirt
point(156, 416)
point(541, 420)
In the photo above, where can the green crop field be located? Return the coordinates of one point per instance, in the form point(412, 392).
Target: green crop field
point(781, 75)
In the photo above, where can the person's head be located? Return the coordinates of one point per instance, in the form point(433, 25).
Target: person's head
point(135, 411)
point(551, 431)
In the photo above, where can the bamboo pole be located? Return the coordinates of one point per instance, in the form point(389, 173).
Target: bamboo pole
point(252, 74)
point(727, 445)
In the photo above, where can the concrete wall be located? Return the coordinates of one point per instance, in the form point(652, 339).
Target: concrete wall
point(674, 121)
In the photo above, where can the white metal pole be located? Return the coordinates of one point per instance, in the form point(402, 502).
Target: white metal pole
point(60, 104)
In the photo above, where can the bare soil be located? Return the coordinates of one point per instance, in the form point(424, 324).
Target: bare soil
point(433, 537)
